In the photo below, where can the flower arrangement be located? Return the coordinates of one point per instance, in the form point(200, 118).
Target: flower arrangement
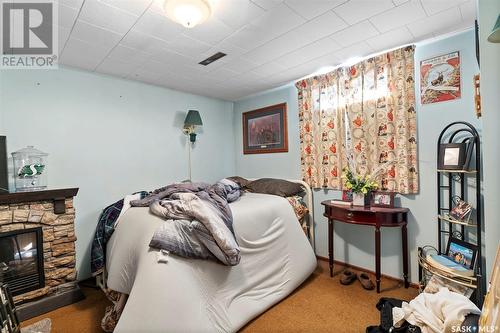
point(358, 184)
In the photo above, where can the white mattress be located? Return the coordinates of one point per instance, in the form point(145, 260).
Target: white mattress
point(186, 295)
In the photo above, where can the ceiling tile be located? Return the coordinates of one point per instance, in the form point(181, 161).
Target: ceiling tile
point(75, 4)
point(222, 74)
point(432, 7)
point(311, 9)
point(225, 47)
point(95, 35)
point(241, 65)
point(309, 52)
point(129, 55)
point(357, 10)
point(188, 46)
point(278, 20)
point(115, 67)
point(158, 26)
point(78, 53)
point(357, 50)
point(311, 31)
point(267, 4)
point(174, 59)
point(355, 33)
point(209, 32)
point(270, 68)
point(390, 39)
point(468, 10)
point(235, 14)
point(435, 23)
point(134, 7)
point(144, 42)
point(248, 37)
point(398, 16)
point(66, 16)
point(268, 42)
point(111, 18)
point(62, 37)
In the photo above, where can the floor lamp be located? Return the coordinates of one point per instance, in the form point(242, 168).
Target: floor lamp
point(192, 120)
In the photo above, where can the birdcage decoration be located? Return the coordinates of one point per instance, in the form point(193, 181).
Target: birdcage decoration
point(30, 169)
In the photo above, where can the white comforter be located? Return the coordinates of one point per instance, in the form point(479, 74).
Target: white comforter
point(186, 295)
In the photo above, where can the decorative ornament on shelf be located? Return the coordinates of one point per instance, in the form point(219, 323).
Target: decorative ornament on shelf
point(188, 13)
point(30, 169)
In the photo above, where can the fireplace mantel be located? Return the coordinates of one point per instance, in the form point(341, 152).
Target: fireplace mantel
point(58, 196)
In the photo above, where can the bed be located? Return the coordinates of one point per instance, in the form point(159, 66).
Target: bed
point(187, 295)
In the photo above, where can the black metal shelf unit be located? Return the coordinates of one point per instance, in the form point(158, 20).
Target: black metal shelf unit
point(452, 184)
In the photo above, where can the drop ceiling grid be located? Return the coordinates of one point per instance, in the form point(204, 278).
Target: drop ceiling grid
point(268, 42)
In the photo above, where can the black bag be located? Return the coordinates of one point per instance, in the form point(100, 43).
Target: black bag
point(385, 306)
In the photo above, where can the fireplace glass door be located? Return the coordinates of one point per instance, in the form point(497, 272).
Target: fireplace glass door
point(21, 260)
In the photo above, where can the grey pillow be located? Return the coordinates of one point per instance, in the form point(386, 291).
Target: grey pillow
point(280, 187)
point(239, 180)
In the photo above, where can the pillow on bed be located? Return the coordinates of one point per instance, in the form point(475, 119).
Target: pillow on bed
point(239, 180)
point(280, 187)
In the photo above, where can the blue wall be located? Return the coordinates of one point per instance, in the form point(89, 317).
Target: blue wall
point(110, 137)
point(355, 244)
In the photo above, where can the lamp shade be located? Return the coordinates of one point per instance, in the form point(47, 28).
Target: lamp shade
point(193, 119)
point(494, 37)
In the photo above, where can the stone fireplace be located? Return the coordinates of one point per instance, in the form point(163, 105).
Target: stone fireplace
point(39, 224)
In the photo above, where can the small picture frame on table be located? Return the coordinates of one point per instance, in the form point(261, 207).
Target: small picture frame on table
point(461, 252)
point(382, 199)
point(347, 195)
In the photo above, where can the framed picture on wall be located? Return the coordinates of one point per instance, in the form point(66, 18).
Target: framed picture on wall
point(440, 78)
point(265, 130)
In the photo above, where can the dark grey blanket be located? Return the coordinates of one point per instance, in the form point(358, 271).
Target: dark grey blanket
point(200, 221)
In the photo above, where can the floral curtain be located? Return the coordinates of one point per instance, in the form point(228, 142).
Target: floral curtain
point(362, 117)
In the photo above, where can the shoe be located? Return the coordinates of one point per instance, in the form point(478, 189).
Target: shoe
point(347, 277)
point(366, 282)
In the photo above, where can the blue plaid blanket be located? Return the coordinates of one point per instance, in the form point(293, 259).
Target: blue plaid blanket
point(104, 230)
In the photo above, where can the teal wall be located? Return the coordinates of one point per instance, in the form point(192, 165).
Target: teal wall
point(490, 100)
point(355, 244)
point(110, 137)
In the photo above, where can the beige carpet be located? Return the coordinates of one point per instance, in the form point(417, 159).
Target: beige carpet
point(321, 304)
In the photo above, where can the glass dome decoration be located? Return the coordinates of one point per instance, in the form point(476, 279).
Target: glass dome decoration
point(30, 170)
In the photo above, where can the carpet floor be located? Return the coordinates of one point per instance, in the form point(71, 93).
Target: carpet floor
point(320, 304)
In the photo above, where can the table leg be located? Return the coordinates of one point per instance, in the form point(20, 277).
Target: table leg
point(330, 245)
point(404, 234)
point(377, 258)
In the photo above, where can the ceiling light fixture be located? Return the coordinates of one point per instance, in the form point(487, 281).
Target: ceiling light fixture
point(189, 13)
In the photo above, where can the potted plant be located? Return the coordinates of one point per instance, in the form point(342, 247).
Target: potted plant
point(360, 186)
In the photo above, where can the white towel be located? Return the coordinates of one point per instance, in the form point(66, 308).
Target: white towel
point(435, 313)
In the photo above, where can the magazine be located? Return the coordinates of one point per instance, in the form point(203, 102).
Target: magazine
point(446, 264)
point(461, 211)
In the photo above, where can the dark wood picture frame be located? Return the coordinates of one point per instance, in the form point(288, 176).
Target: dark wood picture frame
point(279, 147)
point(461, 158)
point(374, 203)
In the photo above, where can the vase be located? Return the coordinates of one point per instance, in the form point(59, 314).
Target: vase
point(358, 199)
